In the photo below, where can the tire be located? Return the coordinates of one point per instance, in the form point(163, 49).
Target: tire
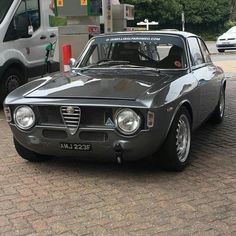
point(29, 155)
point(221, 50)
point(11, 80)
point(217, 116)
point(175, 151)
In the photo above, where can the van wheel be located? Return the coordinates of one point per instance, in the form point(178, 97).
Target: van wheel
point(221, 50)
point(28, 154)
point(10, 81)
point(175, 151)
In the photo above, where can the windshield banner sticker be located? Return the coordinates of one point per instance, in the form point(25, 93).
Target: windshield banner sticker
point(112, 39)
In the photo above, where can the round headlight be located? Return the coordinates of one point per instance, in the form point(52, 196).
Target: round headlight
point(127, 121)
point(24, 117)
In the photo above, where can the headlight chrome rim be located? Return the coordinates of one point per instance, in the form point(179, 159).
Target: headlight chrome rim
point(125, 132)
point(18, 124)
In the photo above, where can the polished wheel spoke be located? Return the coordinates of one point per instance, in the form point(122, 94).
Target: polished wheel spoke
point(222, 104)
point(183, 138)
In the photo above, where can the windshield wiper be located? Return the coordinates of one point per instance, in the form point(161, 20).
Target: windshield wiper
point(111, 62)
point(102, 63)
point(142, 68)
point(119, 65)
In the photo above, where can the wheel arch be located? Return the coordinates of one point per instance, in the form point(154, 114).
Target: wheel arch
point(187, 105)
point(13, 63)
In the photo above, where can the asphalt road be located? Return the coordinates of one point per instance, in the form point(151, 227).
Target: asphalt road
point(216, 56)
point(228, 56)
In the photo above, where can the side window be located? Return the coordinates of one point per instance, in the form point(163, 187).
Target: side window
point(205, 51)
point(195, 52)
point(28, 13)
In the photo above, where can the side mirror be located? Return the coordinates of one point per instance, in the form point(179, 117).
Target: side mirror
point(72, 63)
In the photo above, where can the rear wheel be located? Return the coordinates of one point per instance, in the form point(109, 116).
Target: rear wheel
point(221, 50)
point(175, 151)
point(11, 79)
point(218, 115)
point(28, 154)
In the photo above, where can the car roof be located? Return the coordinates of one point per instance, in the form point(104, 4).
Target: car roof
point(160, 32)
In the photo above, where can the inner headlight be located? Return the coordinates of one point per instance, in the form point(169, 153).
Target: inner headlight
point(127, 121)
point(24, 117)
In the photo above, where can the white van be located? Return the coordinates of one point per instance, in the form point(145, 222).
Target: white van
point(24, 35)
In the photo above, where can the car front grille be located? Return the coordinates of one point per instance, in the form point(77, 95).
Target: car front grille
point(88, 116)
point(71, 117)
point(227, 39)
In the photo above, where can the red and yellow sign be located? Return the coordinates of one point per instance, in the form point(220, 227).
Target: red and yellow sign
point(84, 2)
point(60, 3)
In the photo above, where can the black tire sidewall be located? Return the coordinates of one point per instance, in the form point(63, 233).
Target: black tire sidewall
point(5, 80)
point(216, 117)
point(170, 157)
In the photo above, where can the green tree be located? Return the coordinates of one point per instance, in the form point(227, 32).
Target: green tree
point(233, 10)
point(206, 11)
point(158, 10)
point(201, 15)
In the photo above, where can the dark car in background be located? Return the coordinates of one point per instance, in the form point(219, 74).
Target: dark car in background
point(130, 95)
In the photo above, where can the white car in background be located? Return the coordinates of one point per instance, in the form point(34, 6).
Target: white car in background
point(227, 41)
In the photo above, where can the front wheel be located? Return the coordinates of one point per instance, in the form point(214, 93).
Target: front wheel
point(175, 151)
point(28, 154)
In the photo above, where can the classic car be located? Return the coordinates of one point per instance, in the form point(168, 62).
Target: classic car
point(129, 95)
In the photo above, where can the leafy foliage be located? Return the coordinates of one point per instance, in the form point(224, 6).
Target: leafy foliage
point(200, 15)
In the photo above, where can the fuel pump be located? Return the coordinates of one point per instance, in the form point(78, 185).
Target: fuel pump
point(82, 23)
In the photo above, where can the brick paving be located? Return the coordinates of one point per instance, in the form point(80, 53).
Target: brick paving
point(70, 197)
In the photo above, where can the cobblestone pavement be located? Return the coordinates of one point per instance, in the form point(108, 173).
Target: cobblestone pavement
point(69, 197)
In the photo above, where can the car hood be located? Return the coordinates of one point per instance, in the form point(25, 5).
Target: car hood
point(227, 35)
point(101, 86)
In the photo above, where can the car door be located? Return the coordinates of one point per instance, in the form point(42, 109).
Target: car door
point(200, 71)
point(214, 78)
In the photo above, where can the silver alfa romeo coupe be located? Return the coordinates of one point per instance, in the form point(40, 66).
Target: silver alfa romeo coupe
point(128, 96)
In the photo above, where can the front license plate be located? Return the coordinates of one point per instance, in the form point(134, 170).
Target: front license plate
point(76, 146)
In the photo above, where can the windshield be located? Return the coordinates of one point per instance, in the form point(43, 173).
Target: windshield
point(144, 50)
point(5, 5)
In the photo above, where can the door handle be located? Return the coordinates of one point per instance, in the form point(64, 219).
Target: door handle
point(43, 37)
point(52, 35)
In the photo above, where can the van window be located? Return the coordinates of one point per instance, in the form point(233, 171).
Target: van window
point(33, 12)
point(28, 13)
point(5, 5)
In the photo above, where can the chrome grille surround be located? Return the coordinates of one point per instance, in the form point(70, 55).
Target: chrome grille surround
point(71, 117)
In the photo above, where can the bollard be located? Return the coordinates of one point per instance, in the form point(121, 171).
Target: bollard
point(66, 49)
